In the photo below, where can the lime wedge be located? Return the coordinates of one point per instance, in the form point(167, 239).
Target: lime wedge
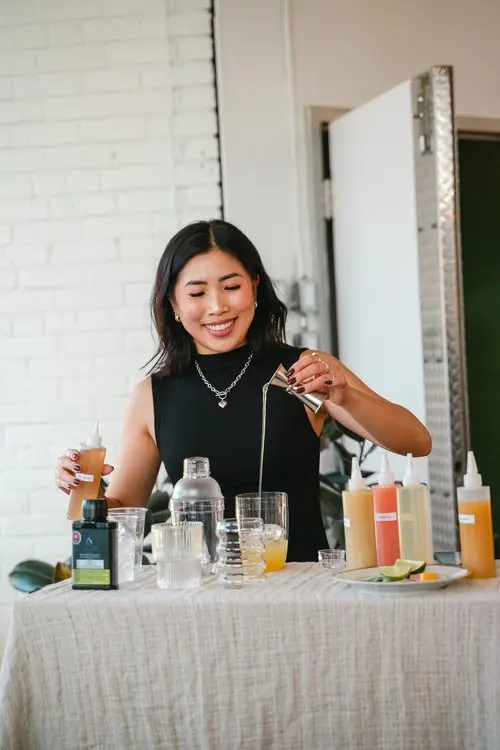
point(401, 569)
point(417, 566)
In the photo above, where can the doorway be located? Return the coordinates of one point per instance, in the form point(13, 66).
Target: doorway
point(479, 170)
point(479, 173)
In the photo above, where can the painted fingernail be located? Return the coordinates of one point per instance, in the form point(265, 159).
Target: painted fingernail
point(328, 382)
point(76, 481)
point(301, 389)
point(69, 485)
point(74, 455)
point(291, 372)
point(291, 381)
point(76, 467)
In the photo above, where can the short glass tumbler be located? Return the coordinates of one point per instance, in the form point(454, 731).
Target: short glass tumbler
point(179, 552)
point(240, 549)
point(331, 558)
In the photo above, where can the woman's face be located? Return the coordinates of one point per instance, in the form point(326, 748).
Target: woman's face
point(215, 299)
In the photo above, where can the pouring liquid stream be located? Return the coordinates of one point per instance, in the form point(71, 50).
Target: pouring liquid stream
point(265, 389)
point(275, 549)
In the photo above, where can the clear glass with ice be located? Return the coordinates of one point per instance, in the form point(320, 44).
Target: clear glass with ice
point(272, 508)
point(127, 535)
point(140, 513)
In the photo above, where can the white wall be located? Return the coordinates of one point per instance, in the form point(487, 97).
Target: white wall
point(257, 128)
point(108, 144)
point(276, 59)
point(345, 53)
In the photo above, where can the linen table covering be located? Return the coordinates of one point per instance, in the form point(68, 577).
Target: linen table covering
point(299, 661)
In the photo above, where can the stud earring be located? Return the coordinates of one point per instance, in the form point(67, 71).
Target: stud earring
point(255, 303)
point(176, 317)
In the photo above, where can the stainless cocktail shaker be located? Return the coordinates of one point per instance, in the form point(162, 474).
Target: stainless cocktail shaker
point(313, 401)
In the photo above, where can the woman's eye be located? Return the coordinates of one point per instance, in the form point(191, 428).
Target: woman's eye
point(197, 294)
point(233, 288)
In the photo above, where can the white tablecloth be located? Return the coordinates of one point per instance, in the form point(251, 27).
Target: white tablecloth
point(298, 662)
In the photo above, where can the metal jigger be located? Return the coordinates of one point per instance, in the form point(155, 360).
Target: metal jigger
point(312, 400)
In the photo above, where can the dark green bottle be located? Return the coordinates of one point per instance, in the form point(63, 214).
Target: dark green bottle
point(95, 548)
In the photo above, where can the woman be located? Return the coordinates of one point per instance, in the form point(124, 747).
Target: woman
point(221, 329)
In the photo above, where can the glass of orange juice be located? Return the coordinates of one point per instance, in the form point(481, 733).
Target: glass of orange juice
point(272, 507)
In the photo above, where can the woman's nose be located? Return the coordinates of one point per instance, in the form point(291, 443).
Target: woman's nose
point(217, 305)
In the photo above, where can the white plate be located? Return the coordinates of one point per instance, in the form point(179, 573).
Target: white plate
point(447, 574)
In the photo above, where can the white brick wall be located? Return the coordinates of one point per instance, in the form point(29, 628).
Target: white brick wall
point(108, 144)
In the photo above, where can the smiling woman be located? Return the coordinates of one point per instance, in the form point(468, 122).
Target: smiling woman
point(221, 337)
point(217, 311)
point(212, 282)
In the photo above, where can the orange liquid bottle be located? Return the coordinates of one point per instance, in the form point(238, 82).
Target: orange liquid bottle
point(385, 498)
point(92, 455)
point(359, 525)
point(476, 527)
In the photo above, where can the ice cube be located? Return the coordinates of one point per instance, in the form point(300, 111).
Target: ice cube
point(272, 532)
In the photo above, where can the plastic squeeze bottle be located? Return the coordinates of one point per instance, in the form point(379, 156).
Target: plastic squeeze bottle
point(386, 515)
point(414, 517)
point(359, 524)
point(476, 528)
point(92, 455)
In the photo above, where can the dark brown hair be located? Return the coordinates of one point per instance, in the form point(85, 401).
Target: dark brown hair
point(175, 349)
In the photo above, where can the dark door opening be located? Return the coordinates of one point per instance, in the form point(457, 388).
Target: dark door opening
point(479, 170)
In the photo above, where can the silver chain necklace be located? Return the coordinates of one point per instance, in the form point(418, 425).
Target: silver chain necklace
point(222, 395)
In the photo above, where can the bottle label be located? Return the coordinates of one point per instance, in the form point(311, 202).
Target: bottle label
point(94, 558)
point(466, 518)
point(91, 577)
point(85, 477)
point(347, 522)
point(386, 516)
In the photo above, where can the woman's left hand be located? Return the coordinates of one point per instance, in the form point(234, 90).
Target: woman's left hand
point(320, 372)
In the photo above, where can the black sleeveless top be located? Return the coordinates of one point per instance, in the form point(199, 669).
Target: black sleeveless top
point(189, 422)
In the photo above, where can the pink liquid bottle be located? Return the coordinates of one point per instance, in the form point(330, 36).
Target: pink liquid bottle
point(386, 515)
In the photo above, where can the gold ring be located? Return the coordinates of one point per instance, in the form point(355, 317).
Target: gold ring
point(320, 359)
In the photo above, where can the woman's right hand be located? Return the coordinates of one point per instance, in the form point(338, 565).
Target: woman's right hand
point(66, 468)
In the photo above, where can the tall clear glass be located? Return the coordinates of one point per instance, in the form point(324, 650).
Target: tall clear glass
point(140, 513)
point(127, 536)
point(272, 508)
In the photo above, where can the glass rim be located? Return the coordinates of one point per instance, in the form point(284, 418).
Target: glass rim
point(268, 495)
point(334, 552)
point(129, 511)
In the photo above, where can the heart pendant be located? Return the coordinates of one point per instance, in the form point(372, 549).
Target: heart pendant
point(222, 403)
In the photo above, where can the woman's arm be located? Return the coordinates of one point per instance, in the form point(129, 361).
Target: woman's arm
point(360, 409)
point(138, 459)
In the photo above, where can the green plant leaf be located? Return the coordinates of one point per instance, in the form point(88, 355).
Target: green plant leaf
point(158, 501)
point(31, 575)
point(329, 489)
point(336, 478)
point(160, 516)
